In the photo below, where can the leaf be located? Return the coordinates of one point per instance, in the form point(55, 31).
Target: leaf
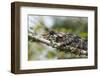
point(50, 55)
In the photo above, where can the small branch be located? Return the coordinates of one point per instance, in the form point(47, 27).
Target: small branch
point(40, 39)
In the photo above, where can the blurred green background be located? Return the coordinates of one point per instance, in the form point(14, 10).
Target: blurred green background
point(43, 24)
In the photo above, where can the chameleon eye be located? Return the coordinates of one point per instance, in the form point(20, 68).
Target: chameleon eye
point(52, 32)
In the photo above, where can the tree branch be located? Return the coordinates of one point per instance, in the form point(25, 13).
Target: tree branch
point(38, 38)
point(57, 45)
